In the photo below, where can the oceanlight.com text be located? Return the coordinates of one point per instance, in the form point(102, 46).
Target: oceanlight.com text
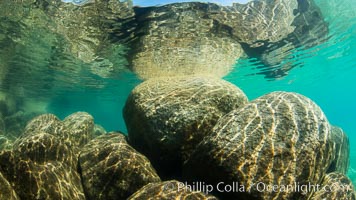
point(259, 187)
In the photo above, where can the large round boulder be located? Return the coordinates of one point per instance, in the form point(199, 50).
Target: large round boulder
point(279, 139)
point(169, 190)
point(112, 169)
point(167, 117)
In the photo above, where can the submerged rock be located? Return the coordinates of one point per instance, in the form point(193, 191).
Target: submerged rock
point(167, 117)
point(47, 180)
point(169, 190)
point(278, 139)
point(43, 162)
point(112, 169)
point(6, 190)
point(47, 123)
point(80, 126)
point(335, 186)
point(342, 150)
point(76, 130)
point(43, 147)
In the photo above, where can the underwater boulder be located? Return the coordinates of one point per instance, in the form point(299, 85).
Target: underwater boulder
point(76, 129)
point(278, 139)
point(169, 190)
point(112, 169)
point(80, 126)
point(52, 180)
point(48, 123)
point(6, 190)
point(43, 147)
point(335, 186)
point(167, 117)
point(42, 166)
point(342, 150)
point(47, 180)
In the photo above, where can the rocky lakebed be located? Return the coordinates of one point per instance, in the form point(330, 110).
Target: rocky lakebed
point(188, 138)
point(190, 134)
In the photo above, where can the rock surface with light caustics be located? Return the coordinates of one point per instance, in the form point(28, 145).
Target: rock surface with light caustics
point(167, 117)
point(112, 169)
point(278, 139)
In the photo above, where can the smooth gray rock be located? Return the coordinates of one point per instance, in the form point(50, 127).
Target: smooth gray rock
point(167, 117)
point(335, 186)
point(169, 190)
point(278, 139)
point(112, 169)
